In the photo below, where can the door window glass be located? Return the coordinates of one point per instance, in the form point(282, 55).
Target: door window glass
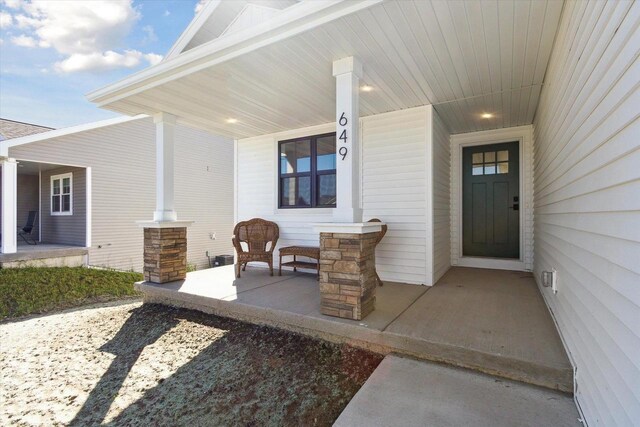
point(490, 163)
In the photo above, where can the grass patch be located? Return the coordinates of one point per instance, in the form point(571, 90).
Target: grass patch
point(26, 291)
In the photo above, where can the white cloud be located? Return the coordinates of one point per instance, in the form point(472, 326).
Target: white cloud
point(86, 33)
point(167, 13)
point(153, 58)
point(24, 41)
point(5, 20)
point(81, 27)
point(200, 5)
point(12, 4)
point(24, 21)
point(105, 61)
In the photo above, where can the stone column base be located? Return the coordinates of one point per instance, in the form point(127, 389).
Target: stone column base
point(347, 274)
point(165, 254)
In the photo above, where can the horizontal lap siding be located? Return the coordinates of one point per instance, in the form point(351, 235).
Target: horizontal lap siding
point(394, 190)
point(257, 188)
point(587, 202)
point(27, 200)
point(441, 197)
point(204, 192)
point(28, 194)
point(65, 229)
point(122, 158)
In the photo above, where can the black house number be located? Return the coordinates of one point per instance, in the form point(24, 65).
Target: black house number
point(342, 121)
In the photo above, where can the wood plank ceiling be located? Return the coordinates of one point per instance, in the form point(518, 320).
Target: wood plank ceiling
point(466, 58)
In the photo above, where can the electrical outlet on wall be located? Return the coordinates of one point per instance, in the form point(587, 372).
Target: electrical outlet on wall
point(212, 236)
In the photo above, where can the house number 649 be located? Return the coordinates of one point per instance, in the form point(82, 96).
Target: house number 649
point(342, 121)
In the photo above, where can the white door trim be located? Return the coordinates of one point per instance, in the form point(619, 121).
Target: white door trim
point(522, 134)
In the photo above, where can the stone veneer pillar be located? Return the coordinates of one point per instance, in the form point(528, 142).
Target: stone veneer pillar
point(165, 250)
point(347, 269)
point(165, 254)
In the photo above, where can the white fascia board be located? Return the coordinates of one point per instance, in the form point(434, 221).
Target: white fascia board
point(5, 145)
point(193, 28)
point(291, 22)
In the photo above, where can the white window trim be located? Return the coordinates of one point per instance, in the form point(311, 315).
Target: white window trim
point(61, 177)
point(292, 134)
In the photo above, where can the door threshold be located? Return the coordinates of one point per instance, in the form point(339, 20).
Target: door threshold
point(492, 263)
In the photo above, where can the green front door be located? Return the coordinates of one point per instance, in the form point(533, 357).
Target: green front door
point(491, 201)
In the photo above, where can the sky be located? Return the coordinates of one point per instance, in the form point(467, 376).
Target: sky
point(54, 52)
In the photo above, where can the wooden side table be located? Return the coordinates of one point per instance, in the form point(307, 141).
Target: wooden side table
point(296, 251)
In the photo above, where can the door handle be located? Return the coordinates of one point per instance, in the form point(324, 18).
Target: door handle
point(515, 207)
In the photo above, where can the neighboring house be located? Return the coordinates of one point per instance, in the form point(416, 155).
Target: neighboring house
point(487, 134)
point(10, 129)
point(91, 183)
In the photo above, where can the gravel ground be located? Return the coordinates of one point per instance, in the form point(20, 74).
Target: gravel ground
point(153, 365)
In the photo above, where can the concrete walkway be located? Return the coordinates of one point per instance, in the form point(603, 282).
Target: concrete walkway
point(407, 392)
point(487, 320)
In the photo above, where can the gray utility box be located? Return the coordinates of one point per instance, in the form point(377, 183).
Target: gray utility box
point(224, 260)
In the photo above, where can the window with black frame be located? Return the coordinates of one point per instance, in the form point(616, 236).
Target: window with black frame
point(308, 172)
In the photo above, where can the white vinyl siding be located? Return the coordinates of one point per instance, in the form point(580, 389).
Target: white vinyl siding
point(122, 160)
point(257, 189)
point(64, 228)
point(250, 16)
point(441, 197)
point(587, 202)
point(394, 189)
point(394, 172)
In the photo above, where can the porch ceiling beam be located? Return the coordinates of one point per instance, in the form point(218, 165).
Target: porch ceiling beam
point(293, 21)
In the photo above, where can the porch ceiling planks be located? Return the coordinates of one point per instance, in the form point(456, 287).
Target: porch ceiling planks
point(465, 58)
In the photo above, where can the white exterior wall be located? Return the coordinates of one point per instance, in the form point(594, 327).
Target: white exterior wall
point(394, 188)
point(122, 159)
point(395, 170)
point(587, 203)
point(441, 220)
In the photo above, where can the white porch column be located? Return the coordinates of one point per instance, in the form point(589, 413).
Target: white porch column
point(347, 72)
point(165, 137)
point(9, 206)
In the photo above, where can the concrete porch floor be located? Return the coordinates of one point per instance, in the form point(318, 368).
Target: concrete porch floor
point(488, 320)
point(44, 254)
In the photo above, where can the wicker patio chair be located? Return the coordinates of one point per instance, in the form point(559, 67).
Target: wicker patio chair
point(260, 237)
point(381, 234)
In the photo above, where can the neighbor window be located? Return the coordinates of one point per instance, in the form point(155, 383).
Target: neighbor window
point(307, 172)
point(61, 202)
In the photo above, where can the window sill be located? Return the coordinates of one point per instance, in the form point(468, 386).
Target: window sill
point(304, 211)
point(61, 213)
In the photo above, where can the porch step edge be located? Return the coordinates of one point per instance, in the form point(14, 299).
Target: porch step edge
point(381, 342)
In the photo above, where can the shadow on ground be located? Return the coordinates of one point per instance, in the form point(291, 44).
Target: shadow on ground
point(251, 375)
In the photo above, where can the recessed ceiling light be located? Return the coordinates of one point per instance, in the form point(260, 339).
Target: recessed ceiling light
point(366, 88)
point(486, 115)
point(231, 120)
